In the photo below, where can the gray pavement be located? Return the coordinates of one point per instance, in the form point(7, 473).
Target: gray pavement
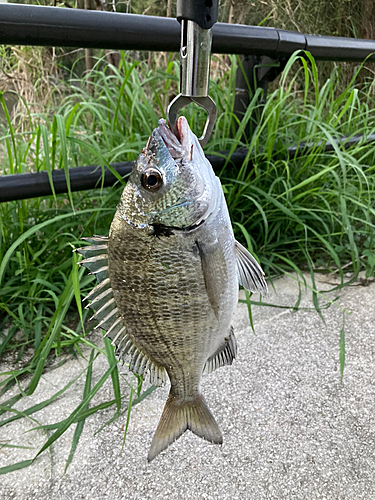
point(291, 429)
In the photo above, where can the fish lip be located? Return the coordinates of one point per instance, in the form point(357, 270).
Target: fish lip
point(177, 145)
point(186, 153)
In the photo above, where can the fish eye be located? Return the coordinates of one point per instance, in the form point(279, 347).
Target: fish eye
point(152, 180)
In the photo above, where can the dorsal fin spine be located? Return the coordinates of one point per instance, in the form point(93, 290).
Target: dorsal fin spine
point(99, 297)
point(113, 324)
point(103, 308)
point(106, 318)
point(98, 288)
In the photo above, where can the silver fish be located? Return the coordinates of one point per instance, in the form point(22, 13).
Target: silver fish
point(168, 278)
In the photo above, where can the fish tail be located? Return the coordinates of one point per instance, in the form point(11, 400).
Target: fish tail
point(178, 417)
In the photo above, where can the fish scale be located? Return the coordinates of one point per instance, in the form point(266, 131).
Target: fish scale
point(161, 314)
point(168, 277)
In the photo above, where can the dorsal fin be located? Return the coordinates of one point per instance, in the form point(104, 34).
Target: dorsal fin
point(102, 300)
point(250, 274)
point(95, 264)
point(97, 257)
point(101, 287)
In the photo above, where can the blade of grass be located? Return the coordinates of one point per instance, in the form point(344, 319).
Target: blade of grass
point(17, 466)
point(68, 422)
point(60, 125)
point(32, 231)
point(135, 402)
point(39, 406)
point(128, 416)
point(81, 423)
point(52, 334)
point(46, 149)
point(248, 303)
point(114, 375)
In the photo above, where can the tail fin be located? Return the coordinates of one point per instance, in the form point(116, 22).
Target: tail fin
point(178, 417)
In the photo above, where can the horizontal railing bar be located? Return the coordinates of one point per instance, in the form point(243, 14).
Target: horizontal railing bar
point(343, 143)
point(64, 27)
point(36, 184)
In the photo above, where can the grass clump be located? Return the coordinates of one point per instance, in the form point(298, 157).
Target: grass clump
point(310, 212)
point(317, 208)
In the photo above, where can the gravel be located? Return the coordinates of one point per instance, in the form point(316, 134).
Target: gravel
point(291, 429)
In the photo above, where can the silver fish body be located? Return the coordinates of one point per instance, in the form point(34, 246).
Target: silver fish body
point(168, 279)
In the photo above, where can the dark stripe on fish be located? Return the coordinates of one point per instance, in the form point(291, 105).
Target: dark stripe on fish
point(160, 230)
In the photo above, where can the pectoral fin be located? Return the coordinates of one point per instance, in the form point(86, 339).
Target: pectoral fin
point(214, 272)
point(250, 274)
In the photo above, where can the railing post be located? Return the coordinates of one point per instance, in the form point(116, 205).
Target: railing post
point(245, 87)
point(254, 72)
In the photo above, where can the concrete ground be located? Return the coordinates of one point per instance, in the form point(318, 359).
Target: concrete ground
point(291, 429)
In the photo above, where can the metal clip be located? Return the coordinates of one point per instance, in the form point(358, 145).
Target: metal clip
point(181, 101)
point(195, 56)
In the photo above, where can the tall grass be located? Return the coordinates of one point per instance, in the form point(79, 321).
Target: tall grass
point(316, 209)
point(313, 212)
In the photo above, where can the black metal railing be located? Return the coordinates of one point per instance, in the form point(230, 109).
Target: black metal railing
point(35, 184)
point(53, 26)
point(63, 27)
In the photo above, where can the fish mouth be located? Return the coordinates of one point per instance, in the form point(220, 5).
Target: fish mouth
point(179, 146)
point(184, 148)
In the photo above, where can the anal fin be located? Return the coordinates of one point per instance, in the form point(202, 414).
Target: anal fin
point(224, 355)
point(139, 362)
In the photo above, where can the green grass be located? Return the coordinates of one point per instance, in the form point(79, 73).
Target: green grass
point(310, 213)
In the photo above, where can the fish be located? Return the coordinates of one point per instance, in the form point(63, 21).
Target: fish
point(168, 276)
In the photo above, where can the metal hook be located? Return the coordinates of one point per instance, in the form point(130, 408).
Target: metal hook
point(181, 101)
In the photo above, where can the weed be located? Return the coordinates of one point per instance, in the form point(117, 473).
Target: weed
point(314, 211)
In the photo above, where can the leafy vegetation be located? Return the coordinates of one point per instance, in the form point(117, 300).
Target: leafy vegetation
point(311, 212)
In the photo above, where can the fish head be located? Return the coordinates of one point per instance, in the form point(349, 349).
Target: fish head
point(172, 183)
